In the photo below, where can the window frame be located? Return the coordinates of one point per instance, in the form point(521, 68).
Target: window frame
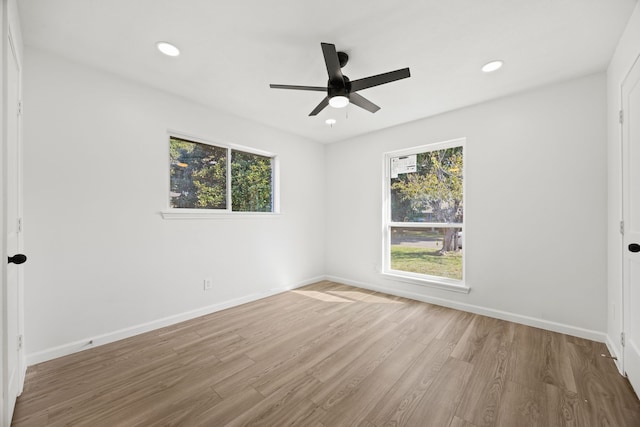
point(410, 277)
point(195, 213)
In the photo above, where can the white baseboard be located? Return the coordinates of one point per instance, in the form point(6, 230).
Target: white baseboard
point(90, 342)
point(489, 312)
point(613, 351)
point(84, 344)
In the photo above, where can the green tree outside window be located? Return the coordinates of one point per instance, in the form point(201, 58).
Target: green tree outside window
point(198, 178)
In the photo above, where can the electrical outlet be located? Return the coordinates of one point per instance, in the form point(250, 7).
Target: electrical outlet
point(208, 284)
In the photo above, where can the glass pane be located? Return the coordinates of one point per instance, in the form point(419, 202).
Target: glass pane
point(251, 182)
point(198, 175)
point(432, 251)
point(431, 191)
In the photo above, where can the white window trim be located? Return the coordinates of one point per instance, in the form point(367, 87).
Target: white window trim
point(183, 213)
point(425, 280)
point(405, 276)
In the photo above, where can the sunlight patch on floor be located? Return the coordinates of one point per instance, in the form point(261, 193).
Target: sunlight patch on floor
point(381, 299)
point(365, 297)
point(322, 296)
point(352, 295)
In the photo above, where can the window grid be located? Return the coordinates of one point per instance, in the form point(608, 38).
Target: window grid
point(428, 229)
point(268, 178)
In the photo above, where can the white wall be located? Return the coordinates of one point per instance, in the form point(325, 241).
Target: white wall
point(535, 229)
point(626, 53)
point(101, 259)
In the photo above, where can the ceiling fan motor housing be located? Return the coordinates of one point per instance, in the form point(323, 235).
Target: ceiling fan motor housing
point(339, 88)
point(343, 58)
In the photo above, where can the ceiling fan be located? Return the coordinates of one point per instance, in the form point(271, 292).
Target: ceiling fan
point(340, 90)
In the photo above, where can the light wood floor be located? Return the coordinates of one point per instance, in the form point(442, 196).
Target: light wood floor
point(333, 355)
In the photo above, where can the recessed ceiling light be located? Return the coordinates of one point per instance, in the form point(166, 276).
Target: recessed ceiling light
point(168, 49)
point(492, 66)
point(339, 101)
point(330, 122)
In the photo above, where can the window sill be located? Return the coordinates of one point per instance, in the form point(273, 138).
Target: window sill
point(429, 281)
point(212, 214)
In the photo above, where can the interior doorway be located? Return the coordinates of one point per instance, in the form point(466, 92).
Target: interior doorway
point(13, 364)
point(630, 118)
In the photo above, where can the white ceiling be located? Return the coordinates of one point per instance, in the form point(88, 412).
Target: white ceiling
point(231, 51)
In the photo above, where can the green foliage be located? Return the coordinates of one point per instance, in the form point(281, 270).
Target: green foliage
point(198, 175)
point(434, 189)
point(431, 194)
point(251, 182)
point(199, 178)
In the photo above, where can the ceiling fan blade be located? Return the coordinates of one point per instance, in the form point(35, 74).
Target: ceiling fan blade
point(332, 62)
point(379, 79)
point(314, 88)
point(320, 106)
point(363, 102)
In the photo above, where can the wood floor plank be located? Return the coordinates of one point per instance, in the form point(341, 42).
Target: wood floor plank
point(342, 382)
point(402, 399)
point(168, 408)
point(520, 407)
point(271, 331)
point(601, 400)
point(484, 392)
point(319, 349)
point(351, 403)
point(541, 356)
point(287, 406)
point(557, 365)
point(180, 412)
point(327, 355)
point(474, 338)
point(560, 407)
point(456, 325)
point(459, 422)
point(436, 322)
point(272, 357)
point(78, 391)
point(143, 395)
point(350, 351)
point(228, 409)
point(439, 404)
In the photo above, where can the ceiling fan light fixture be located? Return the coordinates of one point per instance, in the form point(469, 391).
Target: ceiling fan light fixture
point(168, 49)
point(492, 66)
point(330, 122)
point(339, 101)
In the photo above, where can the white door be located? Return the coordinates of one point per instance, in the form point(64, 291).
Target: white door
point(13, 365)
point(631, 217)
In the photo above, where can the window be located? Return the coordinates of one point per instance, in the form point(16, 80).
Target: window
point(424, 238)
point(205, 176)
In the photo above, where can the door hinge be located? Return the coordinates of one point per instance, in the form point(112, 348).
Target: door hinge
point(621, 116)
point(622, 338)
point(621, 227)
point(19, 108)
point(19, 342)
point(19, 225)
